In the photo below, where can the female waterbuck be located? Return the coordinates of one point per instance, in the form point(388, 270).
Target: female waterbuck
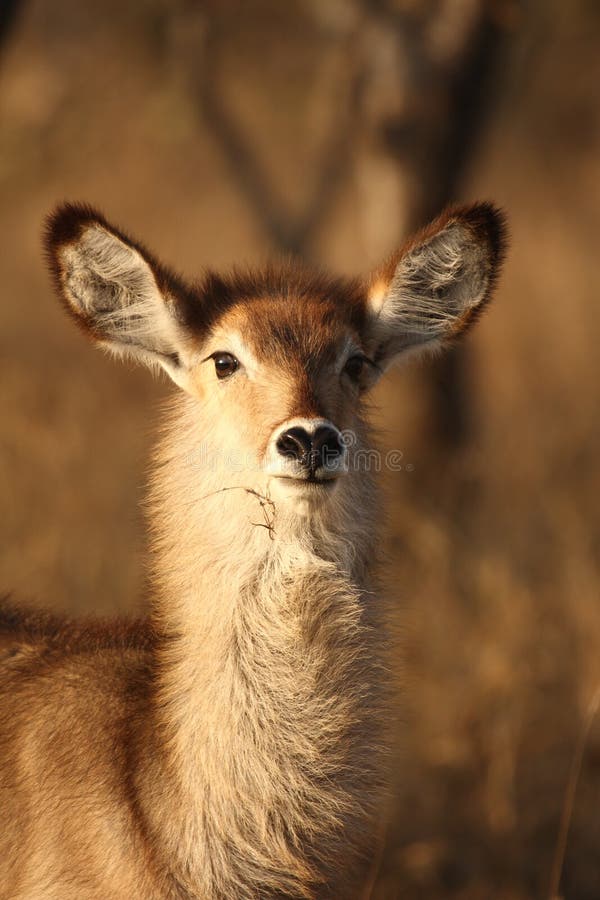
point(233, 745)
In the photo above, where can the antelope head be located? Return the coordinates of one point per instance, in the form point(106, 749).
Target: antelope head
point(277, 363)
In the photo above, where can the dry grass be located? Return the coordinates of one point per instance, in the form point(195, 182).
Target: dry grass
point(494, 551)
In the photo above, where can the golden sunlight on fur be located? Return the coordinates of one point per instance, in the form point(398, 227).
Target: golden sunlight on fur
point(235, 743)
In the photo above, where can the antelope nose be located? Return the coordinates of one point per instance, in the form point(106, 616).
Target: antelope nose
point(295, 443)
point(323, 448)
point(327, 446)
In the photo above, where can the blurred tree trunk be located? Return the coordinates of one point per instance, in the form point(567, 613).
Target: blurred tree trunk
point(471, 93)
point(8, 15)
point(449, 56)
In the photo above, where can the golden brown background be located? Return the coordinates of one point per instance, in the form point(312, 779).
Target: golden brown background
point(222, 132)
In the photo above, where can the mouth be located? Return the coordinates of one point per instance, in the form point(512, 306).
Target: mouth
point(309, 482)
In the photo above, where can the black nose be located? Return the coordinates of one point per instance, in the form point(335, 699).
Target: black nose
point(323, 448)
point(327, 446)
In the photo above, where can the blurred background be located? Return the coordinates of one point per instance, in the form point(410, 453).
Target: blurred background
point(223, 131)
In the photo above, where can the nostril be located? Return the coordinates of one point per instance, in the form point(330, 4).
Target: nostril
point(327, 446)
point(295, 443)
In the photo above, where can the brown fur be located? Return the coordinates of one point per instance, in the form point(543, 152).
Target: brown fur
point(233, 745)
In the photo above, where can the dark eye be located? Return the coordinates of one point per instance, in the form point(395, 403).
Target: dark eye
point(354, 367)
point(225, 364)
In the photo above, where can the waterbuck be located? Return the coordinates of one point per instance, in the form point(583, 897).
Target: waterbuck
point(233, 745)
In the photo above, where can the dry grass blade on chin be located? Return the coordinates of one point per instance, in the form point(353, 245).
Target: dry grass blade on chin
point(267, 505)
point(569, 799)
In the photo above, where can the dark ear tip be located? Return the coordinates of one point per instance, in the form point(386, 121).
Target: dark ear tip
point(489, 224)
point(66, 222)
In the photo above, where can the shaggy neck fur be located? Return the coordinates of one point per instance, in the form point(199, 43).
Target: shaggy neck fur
point(268, 681)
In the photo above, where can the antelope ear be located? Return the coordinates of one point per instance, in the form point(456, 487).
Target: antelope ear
point(117, 291)
point(436, 286)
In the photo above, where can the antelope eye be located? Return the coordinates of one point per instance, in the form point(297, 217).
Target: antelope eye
point(225, 364)
point(354, 367)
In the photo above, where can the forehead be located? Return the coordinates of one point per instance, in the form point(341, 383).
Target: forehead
point(278, 331)
point(283, 314)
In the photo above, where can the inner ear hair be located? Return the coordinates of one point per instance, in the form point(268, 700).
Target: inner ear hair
point(440, 280)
